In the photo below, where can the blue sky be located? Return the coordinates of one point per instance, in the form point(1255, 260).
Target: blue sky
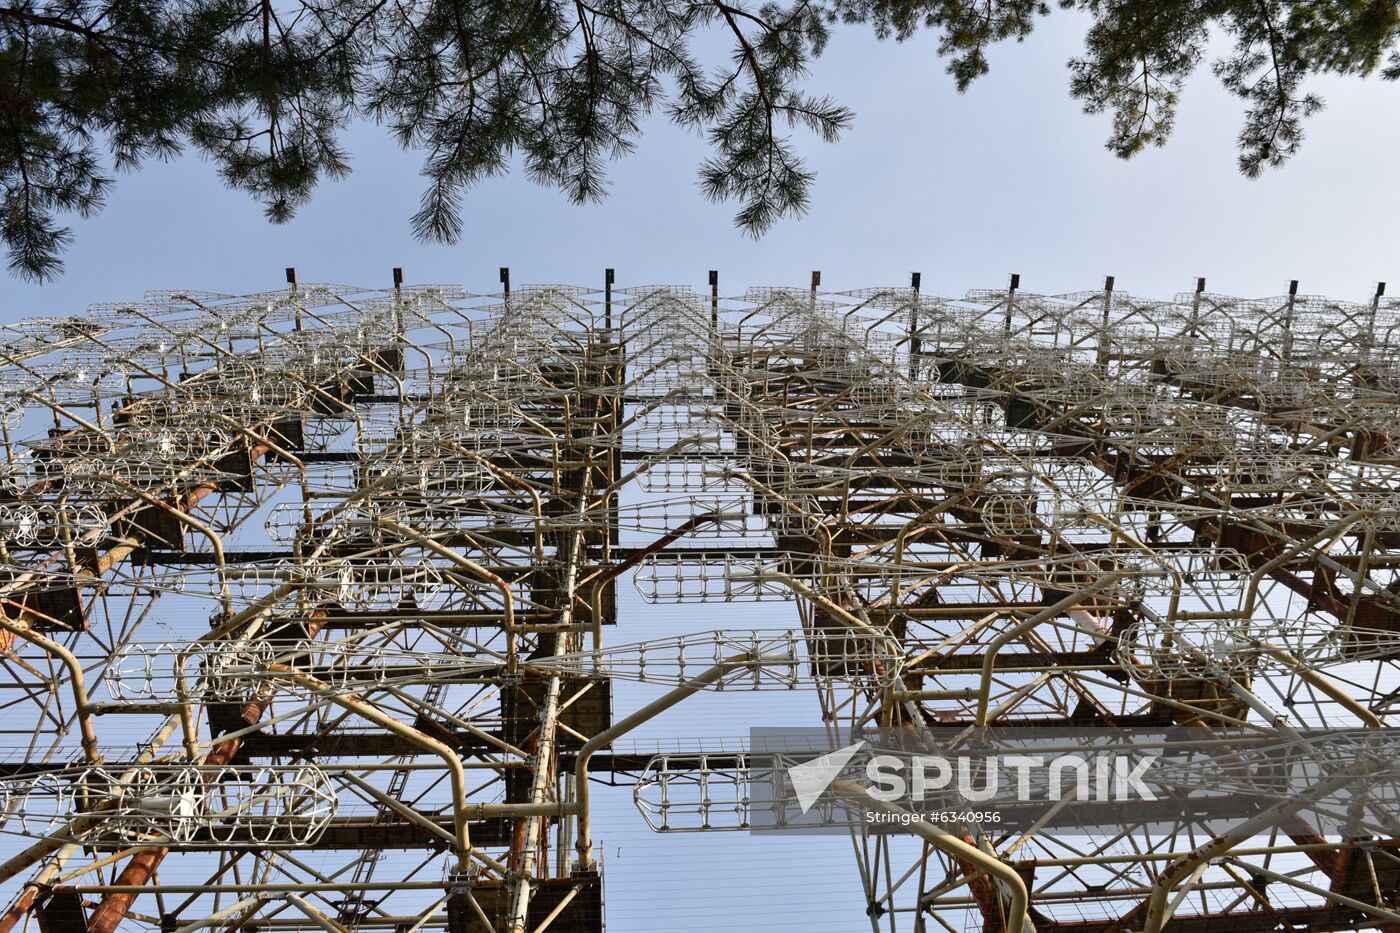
point(1010, 177)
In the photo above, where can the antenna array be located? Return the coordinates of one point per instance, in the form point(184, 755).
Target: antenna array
point(311, 594)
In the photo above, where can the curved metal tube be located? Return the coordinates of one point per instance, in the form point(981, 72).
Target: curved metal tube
point(627, 724)
point(1018, 898)
point(75, 672)
point(989, 658)
point(1158, 911)
point(478, 571)
point(456, 773)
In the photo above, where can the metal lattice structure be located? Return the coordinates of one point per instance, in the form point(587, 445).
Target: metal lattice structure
point(334, 572)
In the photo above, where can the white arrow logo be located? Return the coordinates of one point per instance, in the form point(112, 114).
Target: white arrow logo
point(810, 779)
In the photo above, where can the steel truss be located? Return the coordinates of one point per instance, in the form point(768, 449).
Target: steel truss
point(305, 596)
